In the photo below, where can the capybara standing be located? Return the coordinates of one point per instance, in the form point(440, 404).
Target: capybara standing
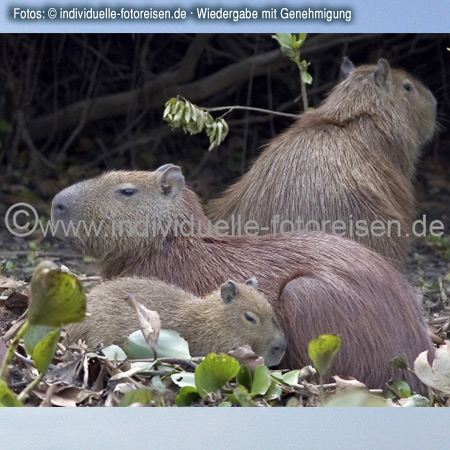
point(352, 160)
point(236, 314)
point(322, 284)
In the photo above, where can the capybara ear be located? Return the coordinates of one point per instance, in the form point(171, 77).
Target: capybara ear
point(382, 73)
point(252, 282)
point(229, 291)
point(171, 180)
point(163, 167)
point(347, 67)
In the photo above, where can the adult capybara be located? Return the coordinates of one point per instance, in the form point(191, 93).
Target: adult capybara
point(322, 284)
point(350, 162)
point(234, 315)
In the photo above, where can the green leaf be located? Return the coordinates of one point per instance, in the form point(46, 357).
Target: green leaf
point(57, 298)
point(416, 401)
point(307, 78)
point(184, 379)
point(291, 378)
point(7, 397)
point(244, 376)
point(243, 397)
point(356, 399)
point(273, 392)
point(323, 350)
point(403, 388)
point(170, 344)
point(284, 39)
point(41, 342)
point(186, 396)
point(137, 396)
point(214, 371)
point(114, 353)
point(261, 380)
point(226, 404)
point(158, 384)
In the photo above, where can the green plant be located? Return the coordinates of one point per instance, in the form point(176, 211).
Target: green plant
point(57, 298)
point(322, 352)
point(290, 45)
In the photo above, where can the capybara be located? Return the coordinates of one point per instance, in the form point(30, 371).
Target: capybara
point(316, 285)
point(350, 162)
point(234, 315)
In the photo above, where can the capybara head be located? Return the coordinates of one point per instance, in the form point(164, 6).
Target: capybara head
point(249, 314)
point(122, 209)
point(389, 93)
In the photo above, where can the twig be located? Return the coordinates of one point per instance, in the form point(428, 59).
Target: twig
point(250, 108)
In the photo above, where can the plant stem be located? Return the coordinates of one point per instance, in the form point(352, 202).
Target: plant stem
point(304, 95)
point(250, 108)
point(12, 348)
point(24, 394)
point(321, 391)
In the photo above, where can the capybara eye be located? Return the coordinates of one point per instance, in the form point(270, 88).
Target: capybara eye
point(250, 318)
point(408, 87)
point(128, 192)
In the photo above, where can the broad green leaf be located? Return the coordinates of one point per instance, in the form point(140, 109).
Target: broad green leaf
point(41, 342)
point(356, 398)
point(243, 397)
point(114, 353)
point(7, 397)
point(403, 388)
point(57, 298)
point(244, 376)
point(170, 344)
point(214, 371)
point(137, 396)
point(291, 378)
point(184, 379)
point(273, 392)
point(261, 380)
point(186, 396)
point(323, 350)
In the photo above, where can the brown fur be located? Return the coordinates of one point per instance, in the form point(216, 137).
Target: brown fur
point(323, 284)
point(352, 158)
point(209, 324)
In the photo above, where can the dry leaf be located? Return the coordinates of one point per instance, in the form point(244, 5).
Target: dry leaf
point(8, 283)
point(436, 376)
point(348, 385)
point(149, 322)
point(245, 355)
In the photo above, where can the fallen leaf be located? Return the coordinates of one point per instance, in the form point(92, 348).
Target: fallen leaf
point(8, 283)
point(348, 385)
point(149, 322)
point(245, 355)
point(436, 376)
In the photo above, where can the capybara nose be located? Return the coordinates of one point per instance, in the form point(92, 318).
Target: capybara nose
point(277, 351)
point(61, 204)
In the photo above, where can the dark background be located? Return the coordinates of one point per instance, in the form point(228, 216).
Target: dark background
point(80, 104)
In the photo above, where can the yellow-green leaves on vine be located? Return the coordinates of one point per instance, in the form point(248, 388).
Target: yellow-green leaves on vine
point(180, 113)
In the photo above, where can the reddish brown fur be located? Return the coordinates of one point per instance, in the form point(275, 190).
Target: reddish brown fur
point(353, 157)
point(323, 284)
